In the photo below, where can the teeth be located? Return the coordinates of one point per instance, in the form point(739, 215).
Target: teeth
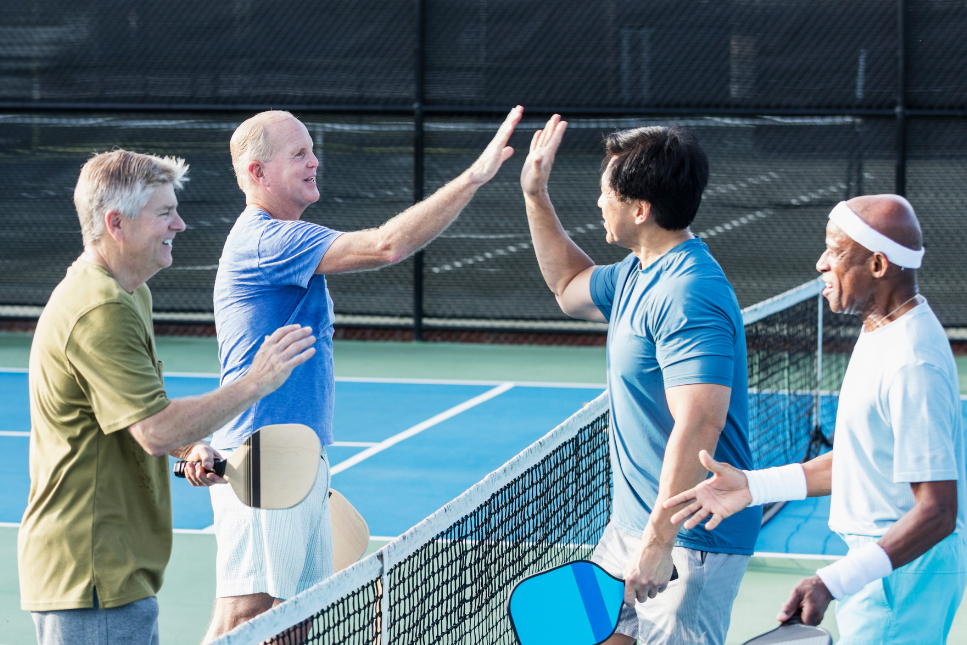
point(168, 242)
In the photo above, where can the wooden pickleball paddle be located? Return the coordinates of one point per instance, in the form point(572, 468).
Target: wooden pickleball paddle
point(275, 468)
point(350, 533)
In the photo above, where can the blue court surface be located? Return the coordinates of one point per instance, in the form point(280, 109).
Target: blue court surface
point(455, 434)
point(405, 448)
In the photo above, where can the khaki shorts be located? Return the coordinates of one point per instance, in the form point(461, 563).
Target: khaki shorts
point(696, 608)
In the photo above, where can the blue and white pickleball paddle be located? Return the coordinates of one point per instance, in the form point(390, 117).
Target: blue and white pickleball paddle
point(574, 604)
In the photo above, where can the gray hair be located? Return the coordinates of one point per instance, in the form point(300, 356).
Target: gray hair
point(122, 181)
point(251, 142)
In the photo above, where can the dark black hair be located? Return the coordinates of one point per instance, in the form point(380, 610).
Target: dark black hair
point(665, 167)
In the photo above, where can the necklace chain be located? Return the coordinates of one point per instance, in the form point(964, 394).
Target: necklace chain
point(881, 322)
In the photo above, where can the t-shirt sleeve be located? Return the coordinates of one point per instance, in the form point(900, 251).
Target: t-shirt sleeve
point(289, 252)
point(922, 413)
point(695, 339)
point(604, 282)
point(115, 368)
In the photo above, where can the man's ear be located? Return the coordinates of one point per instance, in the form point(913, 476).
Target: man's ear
point(879, 264)
point(642, 211)
point(257, 172)
point(113, 224)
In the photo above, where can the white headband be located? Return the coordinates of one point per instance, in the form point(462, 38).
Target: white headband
point(866, 235)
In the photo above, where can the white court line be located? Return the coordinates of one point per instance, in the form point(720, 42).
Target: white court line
point(420, 427)
point(208, 530)
point(13, 370)
point(353, 444)
point(438, 381)
point(13, 433)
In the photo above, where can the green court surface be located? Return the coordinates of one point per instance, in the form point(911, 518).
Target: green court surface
point(188, 592)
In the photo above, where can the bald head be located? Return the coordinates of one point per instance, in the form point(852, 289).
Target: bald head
point(890, 215)
point(253, 141)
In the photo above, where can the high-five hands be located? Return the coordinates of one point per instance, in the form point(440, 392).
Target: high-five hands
point(540, 160)
point(495, 154)
point(721, 496)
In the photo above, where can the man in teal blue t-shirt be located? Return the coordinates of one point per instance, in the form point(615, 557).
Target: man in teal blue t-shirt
point(676, 375)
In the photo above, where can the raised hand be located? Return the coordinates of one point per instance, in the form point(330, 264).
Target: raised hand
point(495, 154)
point(540, 160)
point(283, 351)
point(724, 494)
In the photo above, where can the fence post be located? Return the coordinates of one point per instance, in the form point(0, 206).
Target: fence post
point(901, 103)
point(418, 147)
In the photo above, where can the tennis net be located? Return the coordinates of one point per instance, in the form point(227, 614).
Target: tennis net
point(447, 579)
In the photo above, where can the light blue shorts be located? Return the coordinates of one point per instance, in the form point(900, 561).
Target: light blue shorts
point(278, 552)
point(915, 604)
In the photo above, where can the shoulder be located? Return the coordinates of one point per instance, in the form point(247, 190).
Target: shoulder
point(88, 287)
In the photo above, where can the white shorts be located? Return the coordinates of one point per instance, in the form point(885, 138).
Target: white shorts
point(278, 552)
point(696, 608)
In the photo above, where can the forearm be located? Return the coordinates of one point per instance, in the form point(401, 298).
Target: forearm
point(420, 224)
point(560, 259)
point(819, 475)
point(680, 471)
point(931, 519)
point(187, 420)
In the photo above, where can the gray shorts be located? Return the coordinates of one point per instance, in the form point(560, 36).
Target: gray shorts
point(696, 608)
point(135, 623)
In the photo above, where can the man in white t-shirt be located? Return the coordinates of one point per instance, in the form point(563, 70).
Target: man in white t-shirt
point(896, 471)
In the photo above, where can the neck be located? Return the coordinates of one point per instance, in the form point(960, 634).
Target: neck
point(126, 275)
point(276, 208)
point(889, 305)
point(656, 242)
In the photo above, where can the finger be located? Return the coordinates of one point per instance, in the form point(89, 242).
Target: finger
point(709, 462)
point(299, 359)
point(686, 512)
point(295, 336)
point(715, 521)
point(697, 519)
point(297, 347)
point(535, 139)
point(506, 154)
point(791, 606)
point(630, 594)
point(681, 498)
point(557, 136)
point(549, 129)
point(507, 127)
point(279, 333)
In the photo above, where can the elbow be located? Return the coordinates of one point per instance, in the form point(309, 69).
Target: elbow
point(390, 252)
point(146, 440)
point(943, 519)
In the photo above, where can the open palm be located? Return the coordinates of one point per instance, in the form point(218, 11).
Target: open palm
point(540, 159)
point(721, 496)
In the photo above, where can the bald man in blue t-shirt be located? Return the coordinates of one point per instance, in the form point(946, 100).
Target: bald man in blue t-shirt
point(676, 375)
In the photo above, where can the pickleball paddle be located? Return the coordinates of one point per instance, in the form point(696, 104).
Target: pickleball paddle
point(573, 604)
point(350, 533)
point(275, 468)
point(793, 631)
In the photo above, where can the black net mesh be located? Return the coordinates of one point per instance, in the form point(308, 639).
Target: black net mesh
point(354, 620)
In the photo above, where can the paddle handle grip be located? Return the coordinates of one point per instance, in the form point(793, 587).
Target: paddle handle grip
point(218, 468)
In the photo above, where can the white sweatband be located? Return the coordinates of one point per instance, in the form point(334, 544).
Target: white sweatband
point(781, 484)
point(858, 569)
point(851, 223)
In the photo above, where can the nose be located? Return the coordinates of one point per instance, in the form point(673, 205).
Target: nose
point(313, 160)
point(177, 223)
point(822, 264)
point(601, 201)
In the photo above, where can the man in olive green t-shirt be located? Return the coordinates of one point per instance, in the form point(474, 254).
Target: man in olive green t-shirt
point(96, 535)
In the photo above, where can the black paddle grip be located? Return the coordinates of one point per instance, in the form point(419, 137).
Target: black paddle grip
point(219, 468)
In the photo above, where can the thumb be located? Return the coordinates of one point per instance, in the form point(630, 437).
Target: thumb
point(709, 462)
point(506, 154)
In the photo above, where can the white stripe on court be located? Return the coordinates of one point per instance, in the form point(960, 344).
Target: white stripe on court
point(353, 444)
point(13, 433)
point(420, 427)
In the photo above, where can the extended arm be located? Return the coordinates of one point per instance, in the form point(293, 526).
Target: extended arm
point(700, 412)
point(418, 225)
point(189, 419)
point(565, 267)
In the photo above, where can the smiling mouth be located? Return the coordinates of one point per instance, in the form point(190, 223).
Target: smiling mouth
point(310, 180)
point(167, 242)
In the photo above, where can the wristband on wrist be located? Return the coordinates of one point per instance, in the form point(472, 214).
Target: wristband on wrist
point(782, 484)
point(858, 569)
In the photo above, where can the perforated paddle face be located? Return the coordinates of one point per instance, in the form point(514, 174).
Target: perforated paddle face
point(794, 633)
point(573, 604)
